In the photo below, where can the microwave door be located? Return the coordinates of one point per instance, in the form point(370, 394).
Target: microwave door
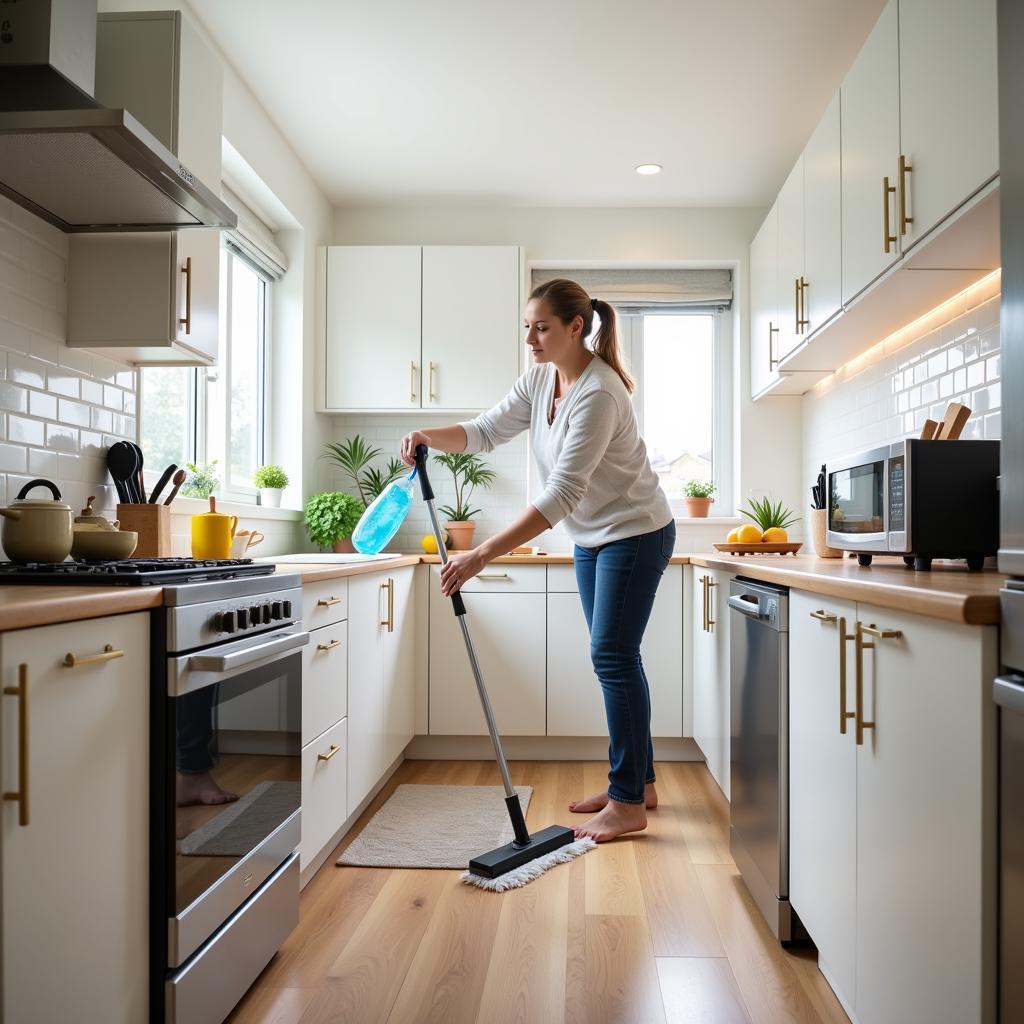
point(857, 499)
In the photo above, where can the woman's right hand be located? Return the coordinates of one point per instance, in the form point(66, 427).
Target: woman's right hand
point(409, 443)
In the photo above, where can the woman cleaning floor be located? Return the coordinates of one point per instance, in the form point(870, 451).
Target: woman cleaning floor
point(597, 479)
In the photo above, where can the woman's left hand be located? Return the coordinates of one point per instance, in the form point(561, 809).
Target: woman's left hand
point(460, 568)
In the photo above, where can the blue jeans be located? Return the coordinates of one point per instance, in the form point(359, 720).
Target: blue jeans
point(617, 584)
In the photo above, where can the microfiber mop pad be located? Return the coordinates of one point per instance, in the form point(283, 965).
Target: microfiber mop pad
point(518, 877)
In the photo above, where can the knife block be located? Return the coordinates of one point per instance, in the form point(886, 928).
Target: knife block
point(818, 525)
point(153, 525)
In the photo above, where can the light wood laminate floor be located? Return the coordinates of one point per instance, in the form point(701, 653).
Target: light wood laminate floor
point(653, 928)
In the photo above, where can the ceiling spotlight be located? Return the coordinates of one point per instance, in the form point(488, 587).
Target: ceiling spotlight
point(649, 169)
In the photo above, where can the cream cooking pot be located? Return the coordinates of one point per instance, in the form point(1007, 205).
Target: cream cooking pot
point(37, 529)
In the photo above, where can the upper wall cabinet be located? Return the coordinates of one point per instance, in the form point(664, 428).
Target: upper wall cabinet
point(764, 304)
point(411, 328)
point(791, 259)
point(821, 292)
point(153, 298)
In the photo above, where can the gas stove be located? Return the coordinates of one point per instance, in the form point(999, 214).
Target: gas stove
point(133, 572)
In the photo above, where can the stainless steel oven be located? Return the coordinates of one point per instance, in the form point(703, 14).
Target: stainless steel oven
point(226, 786)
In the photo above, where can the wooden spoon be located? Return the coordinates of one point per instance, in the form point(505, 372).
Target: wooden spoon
point(178, 479)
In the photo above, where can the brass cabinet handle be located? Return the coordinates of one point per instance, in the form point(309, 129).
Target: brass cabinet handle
point(492, 576)
point(824, 616)
point(862, 646)
point(905, 169)
point(108, 654)
point(328, 647)
point(887, 239)
point(704, 606)
point(772, 361)
point(881, 634)
point(186, 320)
point(711, 621)
point(327, 602)
point(796, 305)
point(431, 381)
point(802, 320)
point(390, 620)
point(412, 381)
point(326, 757)
point(844, 639)
point(21, 793)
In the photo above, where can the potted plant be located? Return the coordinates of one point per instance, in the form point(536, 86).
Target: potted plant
point(468, 472)
point(201, 482)
point(697, 498)
point(271, 481)
point(355, 457)
point(330, 519)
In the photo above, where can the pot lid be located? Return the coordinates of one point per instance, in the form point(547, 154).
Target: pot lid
point(41, 503)
point(213, 510)
point(90, 515)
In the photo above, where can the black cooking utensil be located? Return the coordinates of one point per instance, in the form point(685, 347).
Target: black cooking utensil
point(138, 473)
point(162, 482)
point(121, 461)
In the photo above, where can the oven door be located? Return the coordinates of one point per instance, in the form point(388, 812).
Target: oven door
point(857, 503)
point(234, 733)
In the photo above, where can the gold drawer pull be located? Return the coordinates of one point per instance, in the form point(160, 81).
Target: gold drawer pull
point(328, 647)
point(412, 381)
point(390, 620)
point(824, 616)
point(492, 576)
point(905, 169)
point(862, 646)
point(326, 757)
point(327, 602)
point(844, 638)
point(772, 361)
point(186, 320)
point(881, 634)
point(430, 376)
point(108, 654)
point(711, 621)
point(21, 794)
point(887, 238)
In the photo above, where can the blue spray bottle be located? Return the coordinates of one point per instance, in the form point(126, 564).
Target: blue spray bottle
point(381, 520)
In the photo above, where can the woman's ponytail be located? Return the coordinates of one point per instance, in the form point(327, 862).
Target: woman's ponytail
point(606, 343)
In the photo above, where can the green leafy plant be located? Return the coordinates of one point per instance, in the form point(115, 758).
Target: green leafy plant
point(270, 476)
point(767, 515)
point(468, 472)
point(331, 516)
point(698, 489)
point(202, 481)
point(355, 456)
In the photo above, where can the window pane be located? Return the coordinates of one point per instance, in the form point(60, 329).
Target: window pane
point(678, 386)
point(246, 362)
point(167, 408)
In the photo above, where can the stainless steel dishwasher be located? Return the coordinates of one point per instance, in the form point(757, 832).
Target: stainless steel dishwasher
point(759, 758)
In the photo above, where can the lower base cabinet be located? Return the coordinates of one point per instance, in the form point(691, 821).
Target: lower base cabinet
point(709, 611)
point(324, 790)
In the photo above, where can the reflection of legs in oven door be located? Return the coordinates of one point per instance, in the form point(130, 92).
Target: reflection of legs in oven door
point(194, 750)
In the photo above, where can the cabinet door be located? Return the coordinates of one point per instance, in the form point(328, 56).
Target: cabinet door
point(925, 821)
point(471, 323)
point(707, 731)
point(505, 630)
point(823, 208)
point(373, 327)
point(764, 303)
point(324, 679)
point(791, 258)
point(198, 291)
point(949, 131)
point(324, 790)
point(823, 783)
point(399, 681)
point(76, 878)
point(365, 672)
point(869, 102)
point(718, 600)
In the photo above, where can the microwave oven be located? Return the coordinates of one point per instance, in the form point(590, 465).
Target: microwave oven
point(919, 499)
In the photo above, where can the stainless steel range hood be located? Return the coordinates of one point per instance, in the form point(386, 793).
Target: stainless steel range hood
point(78, 165)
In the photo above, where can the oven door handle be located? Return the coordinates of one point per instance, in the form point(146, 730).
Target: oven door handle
point(1008, 692)
point(239, 659)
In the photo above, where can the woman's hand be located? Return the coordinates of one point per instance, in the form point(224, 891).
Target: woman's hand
point(460, 568)
point(409, 443)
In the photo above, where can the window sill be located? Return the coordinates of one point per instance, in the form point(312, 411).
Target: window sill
point(194, 506)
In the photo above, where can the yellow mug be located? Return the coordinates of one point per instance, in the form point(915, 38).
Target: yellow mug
point(212, 533)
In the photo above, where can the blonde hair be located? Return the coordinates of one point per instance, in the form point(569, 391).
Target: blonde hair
point(568, 300)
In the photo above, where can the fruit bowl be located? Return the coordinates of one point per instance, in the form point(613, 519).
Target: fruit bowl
point(760, 548)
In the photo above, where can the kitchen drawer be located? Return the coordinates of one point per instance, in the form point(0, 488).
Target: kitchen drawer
point(562, 579)
point(324, 679)
point(503, 579)
point(324, 789)
point(324, 603)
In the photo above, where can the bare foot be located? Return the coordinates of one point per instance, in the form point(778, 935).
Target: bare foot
point(614, 819)
point(200, 788)
point(598, 800)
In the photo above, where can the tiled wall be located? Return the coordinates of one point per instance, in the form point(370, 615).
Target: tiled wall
point(949, 355)
point(59, 407)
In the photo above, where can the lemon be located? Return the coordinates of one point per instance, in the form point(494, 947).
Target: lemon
point(428, 543)
point(733, 537)
point(775, 535)
point(749, 534)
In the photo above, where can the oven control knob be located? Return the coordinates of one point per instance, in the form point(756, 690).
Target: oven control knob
point(255, 615)
point(287, 607)
point(224, 622)
point(243, 618)
point(265, 612)
point(275, 610)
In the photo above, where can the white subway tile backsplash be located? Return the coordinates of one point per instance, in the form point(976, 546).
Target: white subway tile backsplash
point(113, 398)
point(100, 419)
point(71, 412)
point(42, 405)
point(92, 391)
point(21, 430)
point(60, 382)
point(13, 458)
point(13, 398)
point(61, 438)
point(26, 370)
point(43, 463)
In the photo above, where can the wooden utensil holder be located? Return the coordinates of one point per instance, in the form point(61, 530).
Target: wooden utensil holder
point(153, 525)
point(819, 523)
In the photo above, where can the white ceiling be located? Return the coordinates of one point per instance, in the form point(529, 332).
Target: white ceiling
point(543, 103)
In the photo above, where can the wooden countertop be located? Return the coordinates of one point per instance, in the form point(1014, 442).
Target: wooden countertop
point(544, 559)
point(22, 606)
point(316, 572)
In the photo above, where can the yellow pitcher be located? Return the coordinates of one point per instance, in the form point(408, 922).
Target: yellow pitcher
point(212, 533)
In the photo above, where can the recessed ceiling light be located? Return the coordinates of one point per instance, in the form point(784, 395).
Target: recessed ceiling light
point(649, 169)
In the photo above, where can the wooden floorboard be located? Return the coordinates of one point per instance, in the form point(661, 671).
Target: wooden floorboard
point(650, 928)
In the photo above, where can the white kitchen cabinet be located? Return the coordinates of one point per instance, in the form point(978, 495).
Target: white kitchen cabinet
point(575, 705)
point(380, 700)
point(324, 790)
point(507, 629)
point(764, 304)
point(949, 122)
point(709, 609)
point(373, 327)
point(791, 260)
point(324, 679)
point(870, 112)
point(471, 323)
point(823, 242)
point(153, 298)
point(76, 872)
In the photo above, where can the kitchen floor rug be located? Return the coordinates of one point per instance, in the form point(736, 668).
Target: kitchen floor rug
point(243, 824)
point(434, 827)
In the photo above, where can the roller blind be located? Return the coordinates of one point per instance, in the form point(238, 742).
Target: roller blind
point(254, 239)
point(691, 289)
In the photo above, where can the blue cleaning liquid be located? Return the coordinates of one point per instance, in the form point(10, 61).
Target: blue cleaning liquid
point(380, 522)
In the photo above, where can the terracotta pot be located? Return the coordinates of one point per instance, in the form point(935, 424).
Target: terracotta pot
point(698, 508)
point(460, 533)
point(344, 547)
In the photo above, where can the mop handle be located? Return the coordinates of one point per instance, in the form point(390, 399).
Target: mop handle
point(458, 605)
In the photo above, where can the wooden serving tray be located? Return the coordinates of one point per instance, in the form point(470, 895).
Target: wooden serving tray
point(760, 548)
